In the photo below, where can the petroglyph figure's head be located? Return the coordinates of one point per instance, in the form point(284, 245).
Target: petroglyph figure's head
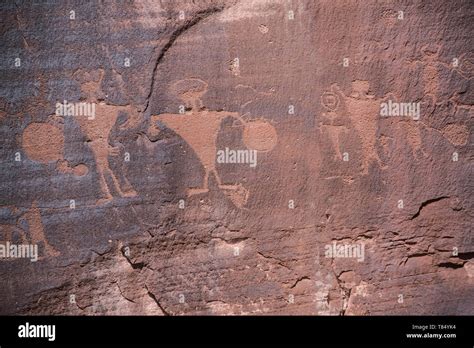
point(90, 83)
point(330, 101)
point(360, 90)
point(190, 91)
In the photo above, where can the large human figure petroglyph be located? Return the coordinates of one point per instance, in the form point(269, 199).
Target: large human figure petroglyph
point(362, 109)
point(97, 133)
point(199, 127)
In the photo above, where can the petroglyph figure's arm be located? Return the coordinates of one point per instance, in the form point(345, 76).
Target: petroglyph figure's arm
point(235, 115)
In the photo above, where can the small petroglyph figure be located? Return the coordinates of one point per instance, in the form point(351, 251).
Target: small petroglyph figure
point(330, 101)
point(29, 227)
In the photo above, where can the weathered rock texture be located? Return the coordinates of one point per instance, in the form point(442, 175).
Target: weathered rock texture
point(133, 214)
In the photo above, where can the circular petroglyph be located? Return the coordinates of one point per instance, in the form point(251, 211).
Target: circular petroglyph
point(43, 142)
point(260, 135)
point(263, 29)
point(330, 101)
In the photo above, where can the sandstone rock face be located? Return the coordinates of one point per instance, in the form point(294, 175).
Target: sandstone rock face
point(352, 122)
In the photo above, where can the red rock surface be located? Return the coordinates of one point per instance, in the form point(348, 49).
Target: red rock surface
point(132, 210)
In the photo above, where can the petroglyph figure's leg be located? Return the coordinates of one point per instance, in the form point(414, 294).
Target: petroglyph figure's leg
point(335, 141)
point(371, 156)
point(103, 186)
point(236, 193)
point(333, 133)
point(196, 191)
point(37, 235)
point(219, 182)
point(128, 193)
point(104, 170)
point(23, 237)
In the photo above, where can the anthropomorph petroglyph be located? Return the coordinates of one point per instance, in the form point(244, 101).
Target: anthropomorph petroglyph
point(97, 137)
point(362, 109)
point(34, 233)
point(432, 66)
point(330, 101)
point(199, 127)
point(97, 133)
point(43, 142)
point(431, 71)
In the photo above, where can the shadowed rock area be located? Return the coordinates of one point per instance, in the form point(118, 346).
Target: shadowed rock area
point(237, 157)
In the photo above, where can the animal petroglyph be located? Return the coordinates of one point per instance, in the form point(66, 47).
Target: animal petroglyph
point(199, 127)
point(190, 91)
